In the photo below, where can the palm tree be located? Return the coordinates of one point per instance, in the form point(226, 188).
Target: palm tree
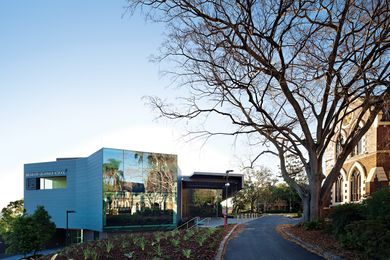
point(112, 175)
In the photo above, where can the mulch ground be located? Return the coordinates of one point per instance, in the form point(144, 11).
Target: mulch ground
point(320, 239)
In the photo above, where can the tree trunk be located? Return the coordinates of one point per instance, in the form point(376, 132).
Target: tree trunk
point(314, 204)
point(306, 208)
point(315, 191)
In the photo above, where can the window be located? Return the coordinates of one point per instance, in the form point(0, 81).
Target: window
point(386, 111)
point(339, 189)
point(139, 188)
point(339, 145)
point(355, 185)
point(46, 183)
point(51, 183)
point(358, 149)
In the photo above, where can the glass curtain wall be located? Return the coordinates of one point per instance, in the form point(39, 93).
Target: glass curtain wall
point(139, 188)
point(202, 203)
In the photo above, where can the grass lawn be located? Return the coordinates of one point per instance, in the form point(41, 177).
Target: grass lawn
point(193, 243)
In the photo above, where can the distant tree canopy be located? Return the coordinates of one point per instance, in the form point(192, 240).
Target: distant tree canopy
point(8, 215)
point(261, 194)
point(29, 233)
point(282, 72)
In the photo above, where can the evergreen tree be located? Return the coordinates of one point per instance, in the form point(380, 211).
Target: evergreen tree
point(30, 233)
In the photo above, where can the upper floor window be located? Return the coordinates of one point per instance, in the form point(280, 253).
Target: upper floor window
point(358, 149)
point(386, 111)
point(339, 189)
point(355, 185)
point(339, 144)
point(46, 183)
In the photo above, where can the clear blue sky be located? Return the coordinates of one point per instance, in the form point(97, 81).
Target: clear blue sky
point(72, 75)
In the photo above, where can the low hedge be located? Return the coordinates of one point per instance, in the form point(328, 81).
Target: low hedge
point(344, 215)
point(371, 237)
point(377, 206)
point(365, 227)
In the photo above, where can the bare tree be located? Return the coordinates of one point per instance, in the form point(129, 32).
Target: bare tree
point(161, 178)
point(286, 72)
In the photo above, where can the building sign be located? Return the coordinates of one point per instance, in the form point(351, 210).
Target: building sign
point(47, 173)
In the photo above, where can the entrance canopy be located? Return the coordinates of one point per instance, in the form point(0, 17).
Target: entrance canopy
point(214, 180)
point(202, 193)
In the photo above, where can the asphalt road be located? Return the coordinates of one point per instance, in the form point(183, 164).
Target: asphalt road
point(259, 240)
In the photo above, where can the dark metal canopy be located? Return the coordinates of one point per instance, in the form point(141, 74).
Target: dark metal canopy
point(212, 180)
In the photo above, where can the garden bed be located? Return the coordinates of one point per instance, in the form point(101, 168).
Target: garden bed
point(180, 244)
point(321, 240)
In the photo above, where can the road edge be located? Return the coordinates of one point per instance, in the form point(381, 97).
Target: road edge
point(309, 247)
point(222, 246)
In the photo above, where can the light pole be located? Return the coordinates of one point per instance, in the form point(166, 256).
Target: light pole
point(67, 226)
point(227, 184)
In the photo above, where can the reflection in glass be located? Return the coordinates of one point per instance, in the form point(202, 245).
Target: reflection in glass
point(139, 188)
point(202, 203)
point(113, 170)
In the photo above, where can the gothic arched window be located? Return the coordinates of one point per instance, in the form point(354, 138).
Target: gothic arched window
point(358, 149)
point(355, 185)
point(339, 144)
point(339, 189)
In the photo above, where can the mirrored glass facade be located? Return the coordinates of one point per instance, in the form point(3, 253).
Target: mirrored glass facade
point(202, 203)
point(139, 189)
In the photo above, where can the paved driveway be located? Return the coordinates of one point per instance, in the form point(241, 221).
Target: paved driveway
point(259, 240)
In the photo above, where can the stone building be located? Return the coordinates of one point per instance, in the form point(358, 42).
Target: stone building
point(367, 168)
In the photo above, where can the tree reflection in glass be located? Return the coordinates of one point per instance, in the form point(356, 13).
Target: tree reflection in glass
point(142, 190)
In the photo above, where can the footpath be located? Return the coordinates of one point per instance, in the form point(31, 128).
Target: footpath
point(259, 240)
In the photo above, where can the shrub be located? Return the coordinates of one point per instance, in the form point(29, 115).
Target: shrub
point(189, 233)
point(313, 225)
point(140, 242)
point(343, 215)
point(175, 242)
point(187, 253)
point(30, 233)
point(201, 239)
point(157, 250)
point(377, 206)
point(372, 237)
point(211, 231)
point(109, 246)
point(158, 236)
point(174, 233)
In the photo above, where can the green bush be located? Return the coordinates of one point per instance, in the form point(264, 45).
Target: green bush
point(313, 225)
point(377, 206)
point(30, 233)
point(343, 215)
point(371, 237)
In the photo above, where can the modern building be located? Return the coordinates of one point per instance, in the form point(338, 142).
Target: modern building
point(115, 189)
point(203, 192)
point(367, 168)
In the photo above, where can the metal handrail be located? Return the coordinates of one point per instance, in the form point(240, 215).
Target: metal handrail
point(187, 222)
point(204, 220)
